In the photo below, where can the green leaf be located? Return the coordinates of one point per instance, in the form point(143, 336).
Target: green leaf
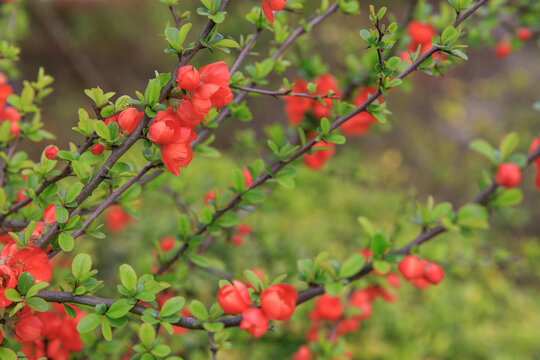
point(213, 326)
point(25, 282)
point(198, 310)
point(200, 260)
point(36, 288)
point(172, 306)
point(106, 329)
point(353, 265)
point(69, 311)
point(73, 192)
point(61, 214)
point(128, 277)
point(510, 197)
point(333, 288)
point(473, 216)
point(13, 295)
point(382, 266)
point(88, 323)
point(508, 145)
point(227, 220)
point(119, 308)
point(7, 354)
point(484, 148)
point(102, 130)
point(66, 241)
point(147, 334)
point(81, 265)
point(379, 244)
point(37, 304)
point(253, 279)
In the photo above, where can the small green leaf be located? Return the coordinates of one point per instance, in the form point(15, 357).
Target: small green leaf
point(172, 306)
point(353, 265)
point(198, 310)
point(37, 304)
point(88, 323)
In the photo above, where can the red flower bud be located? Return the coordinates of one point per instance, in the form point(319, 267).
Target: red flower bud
point(97, 149)
point(303, 353)
point(420, 33)
point(420, 283)
point(234, 299)
point(411, 267)
point(393, 280)
point(433, 273)
point(524, 34)
point(244, 229)
point(329, 307)
point(49, 215)
point(129, 119)
point(51, 152)
point(116, 218)
point(254, 322)
point(279, 301)
point(237, 239)
point(503, 49)
point(176, 156)
point(188, 78)
point(508, 175)
point(247, 177)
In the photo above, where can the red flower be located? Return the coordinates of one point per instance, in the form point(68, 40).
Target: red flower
point(188, 78)
point(28, 328)
point(244, 229)
point(51, 152)
point(168, 127)
point(508, 175)
point(116, 218)
point(167, 243)
point(359, 124)
point(97, 149)
point(420, 283)
point(303, 353)
point(433, 273)
point(325, 83)
point(296, 106)
point(411, 267)
point(421, 33)
point(234, 299)
point(318, 158)
point(190, 117)
point(14, 262)
point(269, 6)
point(8, 281)
point(49, 215)
point(254, 322)
point(215, 73)
point(393, 280)
point(247, 177)
point(329, 307)
point(524, 34)
point(237, 239)
point(503, 49)
point(129, 119)
point(279, 301)
point(176, 156)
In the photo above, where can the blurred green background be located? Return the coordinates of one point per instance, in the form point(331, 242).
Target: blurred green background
point(488, 307)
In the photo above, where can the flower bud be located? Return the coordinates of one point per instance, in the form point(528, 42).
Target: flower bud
point(188, 78)
point(51, 152)
point(234, 299)
point(524, 34)
point(254, 322)
point(97, 149)
point(433, 273)
point(129, 119)
point(279, 301)
point(49, 215)
point(411, 267)
point(508, 175)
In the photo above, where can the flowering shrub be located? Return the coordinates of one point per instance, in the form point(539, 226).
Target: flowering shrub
point(54, 304)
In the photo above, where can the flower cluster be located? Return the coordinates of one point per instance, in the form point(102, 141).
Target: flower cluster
point(421, 35)
point(318, 158)
point(277, 302)
point(127, 121)
point(420, 272)
point(360, 124)
point(57, 338)
point(172, 129)
point(16, 261)
point(8, 113)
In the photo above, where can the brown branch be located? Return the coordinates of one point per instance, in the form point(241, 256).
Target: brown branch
point(284, 93)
